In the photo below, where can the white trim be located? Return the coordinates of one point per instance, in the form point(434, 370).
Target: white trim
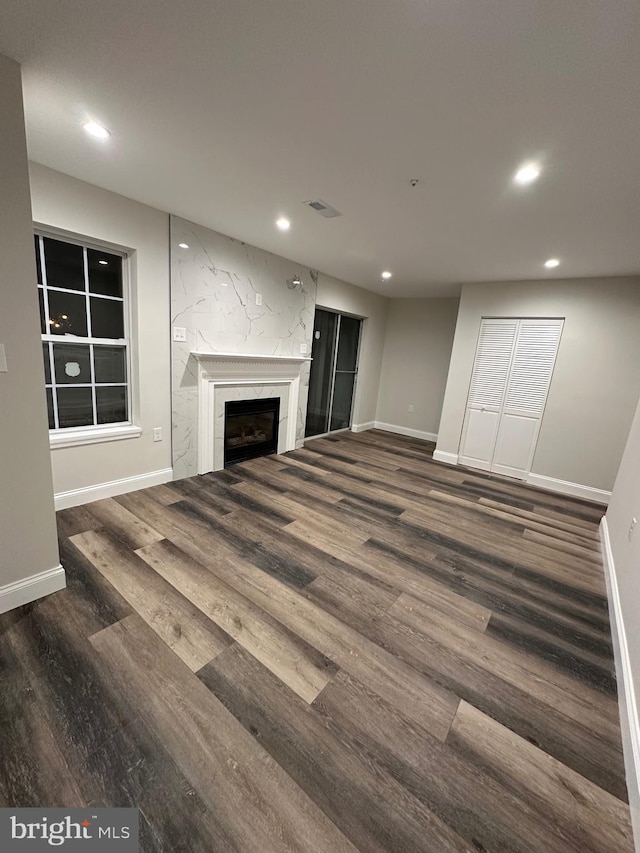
point(576, 490)
point(93, 435)
point(87, 494)
point(236, 356)
point(219, 370)
point(412, 433)
point(444, 456)
point(363, 427)
point(29, 589)
point(627, 703)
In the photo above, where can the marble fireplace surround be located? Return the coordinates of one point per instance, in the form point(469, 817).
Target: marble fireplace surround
point(224, 376)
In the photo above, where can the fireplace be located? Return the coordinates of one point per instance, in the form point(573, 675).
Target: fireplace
point(250, 429)
point(232, 377)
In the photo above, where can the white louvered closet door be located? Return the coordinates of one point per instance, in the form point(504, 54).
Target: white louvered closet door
point(529, 380)
point(486, 393)
point(524, 375)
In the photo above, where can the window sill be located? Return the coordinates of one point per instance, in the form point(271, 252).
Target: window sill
point(92, 435)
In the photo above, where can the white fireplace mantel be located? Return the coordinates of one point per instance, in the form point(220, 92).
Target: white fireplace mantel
point(236, 356)
point(223, 373)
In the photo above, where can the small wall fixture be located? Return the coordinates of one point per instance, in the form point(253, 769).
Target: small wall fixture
point(295, 283)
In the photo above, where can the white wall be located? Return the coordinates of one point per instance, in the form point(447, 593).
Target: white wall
point(596, 382)
point(625, 606)
point(27, 520)
point(346, 298)
point(415, 363)
point(62, 202)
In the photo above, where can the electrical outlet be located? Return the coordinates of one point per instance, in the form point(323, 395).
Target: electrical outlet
point(179, 333)
point(303, 348)
point(632, 527)
point(157, 433)
point(258, 299)
point(410, 408)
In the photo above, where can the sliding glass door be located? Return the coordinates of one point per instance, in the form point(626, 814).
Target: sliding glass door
point(336, 339)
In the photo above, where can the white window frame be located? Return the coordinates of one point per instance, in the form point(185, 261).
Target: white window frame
point(95, 434)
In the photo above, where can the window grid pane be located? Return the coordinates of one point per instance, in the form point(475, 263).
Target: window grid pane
point(94, 408)
point(47, 365)
point(74, 404)
point(86, 294)
point(36, 241)
point(50, 413)
point(72, 363)
point(52, 368)
point(105, 273)
point(64, 263)
point(112, 403)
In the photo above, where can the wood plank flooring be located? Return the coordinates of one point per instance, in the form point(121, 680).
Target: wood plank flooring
point(350, 647)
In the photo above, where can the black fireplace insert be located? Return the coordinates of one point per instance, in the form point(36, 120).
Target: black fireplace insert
point(250, 429)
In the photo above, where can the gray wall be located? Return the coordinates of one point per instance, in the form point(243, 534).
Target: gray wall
point(61, 202)
point(596, 382)
point(415, 363)
point(348, 299)
point(623, 507)
point(27, 520)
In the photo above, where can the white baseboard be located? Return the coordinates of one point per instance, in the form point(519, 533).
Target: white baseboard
point(411, 433)
point(627, 703)
point(86, 495)
point(576, 490)
point(363, 427)
point(443, 456)
point(29, 589)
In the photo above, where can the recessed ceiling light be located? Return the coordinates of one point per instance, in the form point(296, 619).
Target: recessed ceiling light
point(97, 130)
point(527, 174)
point(551, 263)
point(283, 224)
point(104, 263)
point(386, 274)
point(183, 245)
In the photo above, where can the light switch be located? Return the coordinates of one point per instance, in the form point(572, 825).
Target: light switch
point(303, 348)
point(3, 360)
point(179, 333)
point(258, 299)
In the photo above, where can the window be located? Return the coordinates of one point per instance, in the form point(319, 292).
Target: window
point(83, 318)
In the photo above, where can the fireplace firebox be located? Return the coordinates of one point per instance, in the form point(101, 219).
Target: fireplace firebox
point(250, 429)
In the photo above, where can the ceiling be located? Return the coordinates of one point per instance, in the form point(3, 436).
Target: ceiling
point(232, 113)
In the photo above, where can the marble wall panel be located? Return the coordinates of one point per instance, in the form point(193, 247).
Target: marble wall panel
point(214, 285)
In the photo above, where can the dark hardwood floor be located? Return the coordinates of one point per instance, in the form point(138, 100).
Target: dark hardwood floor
point(346, 648)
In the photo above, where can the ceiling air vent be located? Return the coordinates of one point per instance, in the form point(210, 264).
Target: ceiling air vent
point(323, 208)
